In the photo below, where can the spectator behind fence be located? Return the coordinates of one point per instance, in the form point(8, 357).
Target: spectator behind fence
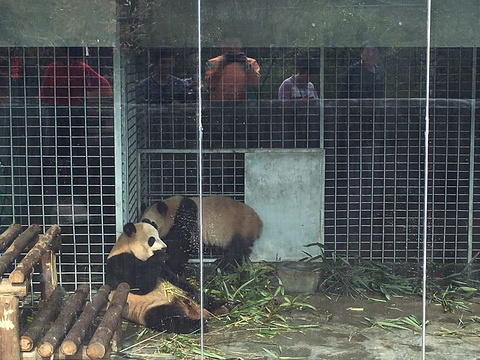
point(298, 86)
point(364, 79)
point(162, 86)
point(229, 75)
point(68, 80)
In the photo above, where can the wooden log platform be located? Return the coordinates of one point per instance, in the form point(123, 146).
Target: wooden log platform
point(41, 249)
point(64, 322)
point(78, 332)
point(45, 316)
point(58, 355)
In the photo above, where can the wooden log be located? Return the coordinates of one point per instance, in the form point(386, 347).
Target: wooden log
point(49, 280)
point(57, 355)
point(6, 288)
point(63, 323)
point(117, 338)
point(43, 319)
point(9, 347)
point(82, 325)
point(18, 245)
point(25, 267)
point(100, 341)
point(9, 235)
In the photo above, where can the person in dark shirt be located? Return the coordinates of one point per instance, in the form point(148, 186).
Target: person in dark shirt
point(162, 86)
point(364, 79)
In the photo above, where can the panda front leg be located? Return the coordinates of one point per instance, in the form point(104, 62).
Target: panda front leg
point(211, 304)
point(165, 313)
point(172, 319)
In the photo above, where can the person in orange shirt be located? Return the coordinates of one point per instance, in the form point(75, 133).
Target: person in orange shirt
point(228, 75)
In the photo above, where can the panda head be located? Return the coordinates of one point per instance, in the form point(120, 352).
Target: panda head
point(140, 239)
point(162, 214)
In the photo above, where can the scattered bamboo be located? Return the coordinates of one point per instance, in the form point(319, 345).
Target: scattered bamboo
point(77, 333)
point(101, 339)
point(63, 323)
point(9, 235)
point(25, 267)
point(42, 321)
point(18, 245)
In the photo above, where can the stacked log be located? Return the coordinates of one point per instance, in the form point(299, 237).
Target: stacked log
point(48, 313)
point(63, 323)
point(110, 323)
point(78, 332)
point(65, 326)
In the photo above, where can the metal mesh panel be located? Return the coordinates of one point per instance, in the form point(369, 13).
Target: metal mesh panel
point(374, 150)
point(374, 176)
point(376, 164)
point(58, 161)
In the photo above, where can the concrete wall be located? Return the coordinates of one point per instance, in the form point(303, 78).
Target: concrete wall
point(258, 23)
point(57, 23)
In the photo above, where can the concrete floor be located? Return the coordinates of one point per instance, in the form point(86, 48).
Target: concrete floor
point(342, 334)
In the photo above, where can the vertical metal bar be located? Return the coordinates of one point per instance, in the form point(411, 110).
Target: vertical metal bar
point(200, 168)
point(11, 141)
point(322, 96)
point(471, 177)
point(120, 143)
point(322, 142)
point(425, 200)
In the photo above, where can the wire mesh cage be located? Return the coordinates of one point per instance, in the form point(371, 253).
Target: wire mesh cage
point(58, 160)
point(58, 156)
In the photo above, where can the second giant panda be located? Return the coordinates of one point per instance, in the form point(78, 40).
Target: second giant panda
point(227, 224)
point(158, 298)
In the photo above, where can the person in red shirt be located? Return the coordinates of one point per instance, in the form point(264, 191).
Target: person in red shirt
point(68, 80)
point(228, 75)
point(66, 84)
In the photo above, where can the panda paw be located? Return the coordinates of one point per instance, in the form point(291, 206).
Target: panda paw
point(225, 308)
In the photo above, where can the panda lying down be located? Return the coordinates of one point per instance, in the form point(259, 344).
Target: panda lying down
point(158, 298)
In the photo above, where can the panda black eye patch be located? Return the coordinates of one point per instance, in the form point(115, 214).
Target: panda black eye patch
point(151, 241)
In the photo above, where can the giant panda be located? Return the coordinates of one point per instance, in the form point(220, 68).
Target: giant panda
point(227, 224)
point(158, 298)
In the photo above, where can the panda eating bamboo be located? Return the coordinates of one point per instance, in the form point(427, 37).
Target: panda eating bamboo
point(158, 299)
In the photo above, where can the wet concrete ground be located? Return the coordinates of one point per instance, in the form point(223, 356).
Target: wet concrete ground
point(343, 334)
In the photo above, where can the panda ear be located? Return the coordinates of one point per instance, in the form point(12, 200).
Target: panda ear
point(148, 221)
point(143, 207)
point(129, 229)
point(162, 208)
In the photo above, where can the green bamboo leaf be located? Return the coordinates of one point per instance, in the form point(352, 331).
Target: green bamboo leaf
point(391, 325)
point(468, 289)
